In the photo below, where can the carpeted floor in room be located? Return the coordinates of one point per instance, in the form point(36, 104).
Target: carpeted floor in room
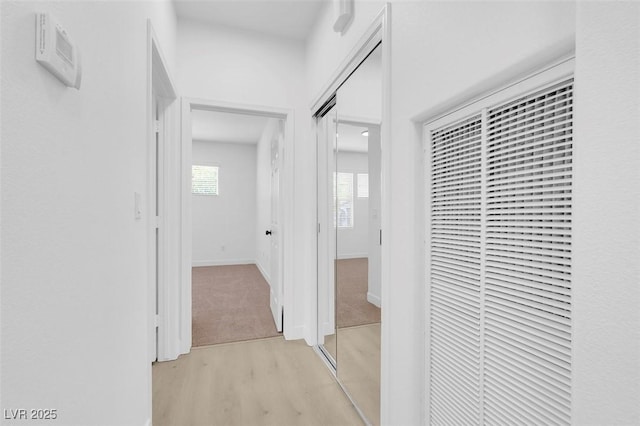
point(230, 304)
point(353, 306)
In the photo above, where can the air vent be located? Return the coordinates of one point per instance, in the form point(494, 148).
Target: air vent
point(499, 261)
point(455, 272)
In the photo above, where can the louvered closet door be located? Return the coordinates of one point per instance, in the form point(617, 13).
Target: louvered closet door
point(455, 273)
point(499, 262)
point(528, 259)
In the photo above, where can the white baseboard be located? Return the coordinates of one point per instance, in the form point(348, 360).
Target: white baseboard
point(297, 333)
point(372, 298)
point(329, 329)
point(264, 274)
point(352, 256)
point(197, 263)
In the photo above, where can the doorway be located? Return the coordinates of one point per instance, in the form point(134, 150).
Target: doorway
point(159, 206)
point(235, 227)
point(236, 187)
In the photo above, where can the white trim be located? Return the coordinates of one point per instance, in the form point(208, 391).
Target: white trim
point(358, 121)
point(160, 88)
point(554, 57)
point(426, 214)
point(313, 338)
point(264, 274)
point(232, 107)
point(296, 332)
point(385, 189)
point(230, 262)
point(374, 299)
point(352, 256)
point(547, 76)
point(290, 331)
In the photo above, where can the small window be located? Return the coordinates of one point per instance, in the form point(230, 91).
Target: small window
point(363, 185)
point(204, 180)
point(344, 200)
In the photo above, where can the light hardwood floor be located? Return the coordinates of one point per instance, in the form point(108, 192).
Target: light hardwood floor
point(260, 382)
point(359, 367)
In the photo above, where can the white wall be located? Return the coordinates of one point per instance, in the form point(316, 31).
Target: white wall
point(326, 49)
point(237, 66)
point(374, 293)
point(354, 242)
point(263, 198)
point(606, 259)
point(74, 259)
point(482, 39)
point(223, 226)
point(438, 50)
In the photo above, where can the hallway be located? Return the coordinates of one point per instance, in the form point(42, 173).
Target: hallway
point(260, 382)
point(501, 192)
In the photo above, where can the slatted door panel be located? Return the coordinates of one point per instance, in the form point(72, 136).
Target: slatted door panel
point(455, 182)
point(527, 306)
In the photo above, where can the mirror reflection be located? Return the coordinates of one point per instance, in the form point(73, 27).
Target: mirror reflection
point(358, 264)
point(326, 152)
point(349, 250)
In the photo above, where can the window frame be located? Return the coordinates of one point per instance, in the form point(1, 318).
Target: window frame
point(336, 200)
point(358, 175)
point(216, 167)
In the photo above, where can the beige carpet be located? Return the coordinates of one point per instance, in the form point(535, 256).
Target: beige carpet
point(353, 307)
point(230, 304)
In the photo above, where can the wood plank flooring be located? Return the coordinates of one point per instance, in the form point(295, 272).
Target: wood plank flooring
point(260, 382)
point(359, 367)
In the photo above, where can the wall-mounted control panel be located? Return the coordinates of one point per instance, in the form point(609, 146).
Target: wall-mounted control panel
point(56, 52)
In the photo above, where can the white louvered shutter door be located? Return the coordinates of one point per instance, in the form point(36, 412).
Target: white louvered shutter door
point(499, 263)
point(455, 273)
point(528, 259)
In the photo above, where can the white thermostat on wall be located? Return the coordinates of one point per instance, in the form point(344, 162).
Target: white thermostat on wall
point(56, 52)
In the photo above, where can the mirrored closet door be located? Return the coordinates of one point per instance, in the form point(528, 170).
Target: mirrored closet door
point(326, 153)
point(349, 253)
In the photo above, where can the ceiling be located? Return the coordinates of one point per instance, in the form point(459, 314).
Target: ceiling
point(211, 126)
point(292, 19)
point(350, 138)
point(226, 127)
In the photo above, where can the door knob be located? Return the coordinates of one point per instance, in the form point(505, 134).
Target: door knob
point(267, 233)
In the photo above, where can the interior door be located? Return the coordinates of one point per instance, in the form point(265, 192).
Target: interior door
point(276, 295)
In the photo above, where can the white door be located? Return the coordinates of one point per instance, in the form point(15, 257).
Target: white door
point(276, 296)
point(154, 208)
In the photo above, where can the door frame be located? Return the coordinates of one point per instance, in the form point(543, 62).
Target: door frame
point(160, 87)
point(286, 205)
point(379, 31)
